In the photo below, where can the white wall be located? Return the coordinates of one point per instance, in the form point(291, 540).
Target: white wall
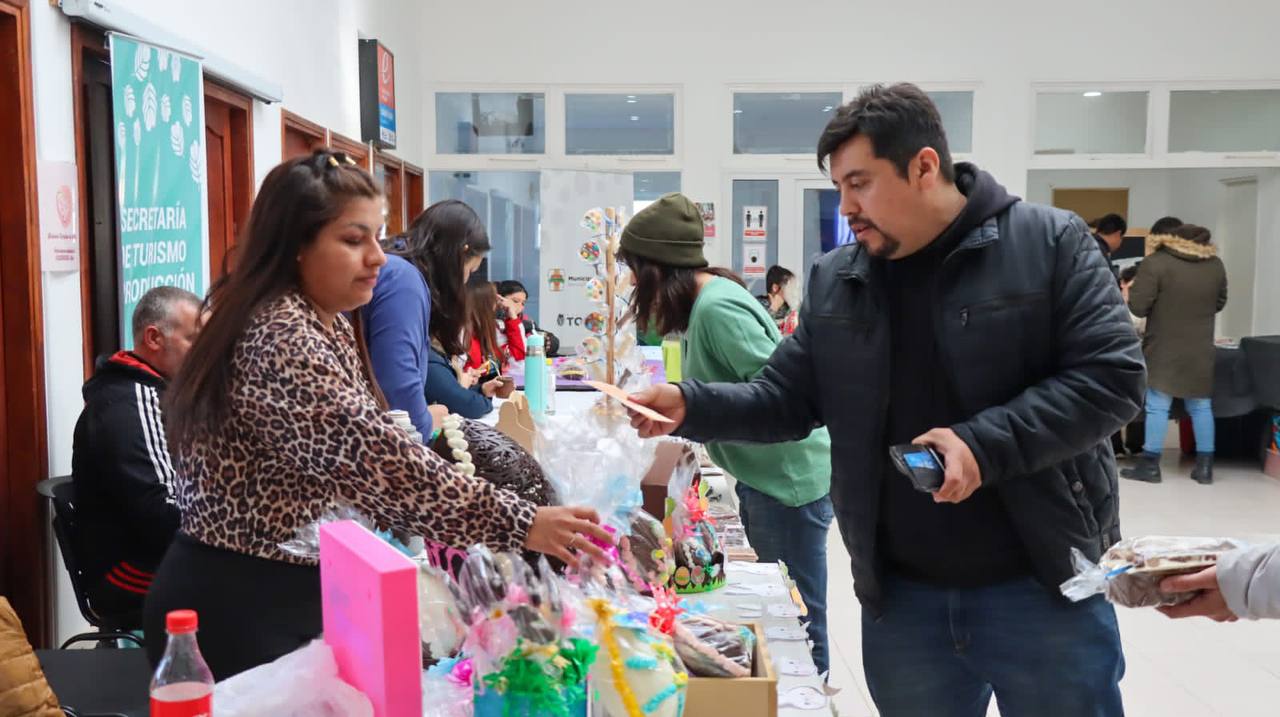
point(705, 46)
point(1266, 314)
point(308, 47)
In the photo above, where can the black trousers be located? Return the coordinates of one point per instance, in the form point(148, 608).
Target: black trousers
point(251, 610)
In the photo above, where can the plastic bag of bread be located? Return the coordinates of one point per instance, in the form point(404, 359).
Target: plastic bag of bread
point(1130, 572)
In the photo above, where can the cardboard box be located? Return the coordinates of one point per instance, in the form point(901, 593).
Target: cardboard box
point(654, 484)
point(755, 696)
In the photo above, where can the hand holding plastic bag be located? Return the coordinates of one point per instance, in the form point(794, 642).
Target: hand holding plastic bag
point(303, 683)
point(1130, 572)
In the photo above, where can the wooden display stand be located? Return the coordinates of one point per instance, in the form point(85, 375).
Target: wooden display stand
point(516, 420)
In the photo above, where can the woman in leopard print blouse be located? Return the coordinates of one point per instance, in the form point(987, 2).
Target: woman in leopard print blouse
point(275, 416)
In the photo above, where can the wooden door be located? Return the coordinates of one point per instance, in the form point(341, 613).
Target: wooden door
point(415, 193)
point(300, 137)
point(229, 154)
point(355, 150)
point(100, 246)
point(24, 568)
point(390, 172)
point(217, 138)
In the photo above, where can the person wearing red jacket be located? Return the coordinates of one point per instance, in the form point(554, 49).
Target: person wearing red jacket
point(492, 346)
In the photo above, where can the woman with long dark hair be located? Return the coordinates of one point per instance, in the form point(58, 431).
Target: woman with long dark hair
point(275, 416)
point(421, 295)
point(783, 489)
point(484, 355)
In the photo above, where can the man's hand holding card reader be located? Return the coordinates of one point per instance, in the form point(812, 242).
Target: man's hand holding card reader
point(921, 464)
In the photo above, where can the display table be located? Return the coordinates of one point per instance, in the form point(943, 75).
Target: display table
point(99, 681)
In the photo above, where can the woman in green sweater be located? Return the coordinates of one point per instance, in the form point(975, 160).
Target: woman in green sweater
point(783, 488)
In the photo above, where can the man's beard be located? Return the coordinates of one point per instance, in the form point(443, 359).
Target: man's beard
point(888, 246)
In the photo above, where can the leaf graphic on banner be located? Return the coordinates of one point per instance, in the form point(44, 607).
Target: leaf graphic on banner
point(186, 109)
point(149, 107)
point(163, 56)
point(142, 62)
point(197, 166)
point(176, 68)
point(166, 109)
point(137, 132)
point(176, 138)
point(130, 102)
point(122, 136)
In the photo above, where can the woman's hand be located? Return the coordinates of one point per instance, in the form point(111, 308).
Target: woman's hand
point(469, 376)
point(490, 388)
point(565, 532)
point(513, 311)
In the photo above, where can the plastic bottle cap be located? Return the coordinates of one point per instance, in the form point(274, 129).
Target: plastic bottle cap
point(181, 621)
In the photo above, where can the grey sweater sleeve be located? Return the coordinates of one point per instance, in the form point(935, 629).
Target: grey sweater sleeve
point(1250, 581)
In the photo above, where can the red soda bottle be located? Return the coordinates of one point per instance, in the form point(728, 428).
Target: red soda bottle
point(183, 684)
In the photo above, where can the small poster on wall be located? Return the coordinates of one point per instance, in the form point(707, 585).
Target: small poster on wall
point(59, 225)
point(708, 210)
point(755, 223)
point(754, 256)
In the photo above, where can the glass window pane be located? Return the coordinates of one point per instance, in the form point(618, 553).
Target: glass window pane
point(824, 227)
point(1091, 123)
point(780, 122)
point(956, 109)
point(620, 124)
point(1224, 121)
point(652, 185)
point(509, 203)
point(490, 123)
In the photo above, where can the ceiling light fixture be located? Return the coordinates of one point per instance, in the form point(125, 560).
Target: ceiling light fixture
point(635, 118)
point(1093, 93)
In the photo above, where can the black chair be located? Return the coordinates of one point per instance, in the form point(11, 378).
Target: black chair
point(61, 491)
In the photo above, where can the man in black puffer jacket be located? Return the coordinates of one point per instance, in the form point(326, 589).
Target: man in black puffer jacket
point(992, 330)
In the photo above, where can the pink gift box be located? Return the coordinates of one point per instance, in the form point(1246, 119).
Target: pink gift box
point(370, 598)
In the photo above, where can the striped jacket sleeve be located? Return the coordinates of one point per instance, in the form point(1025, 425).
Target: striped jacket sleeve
point(137, 464)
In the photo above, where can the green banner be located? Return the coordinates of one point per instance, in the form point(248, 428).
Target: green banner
point(157, 101)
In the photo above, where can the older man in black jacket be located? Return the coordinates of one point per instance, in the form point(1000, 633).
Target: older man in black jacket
point(993, 331)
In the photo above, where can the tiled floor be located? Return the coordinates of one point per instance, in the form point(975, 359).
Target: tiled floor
point(1183, 668)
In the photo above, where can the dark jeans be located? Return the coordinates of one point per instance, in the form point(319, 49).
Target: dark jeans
point(251, 610)
point(943, 652)
point(797, 537)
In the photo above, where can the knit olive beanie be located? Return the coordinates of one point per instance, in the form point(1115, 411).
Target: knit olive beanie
point(669, 231)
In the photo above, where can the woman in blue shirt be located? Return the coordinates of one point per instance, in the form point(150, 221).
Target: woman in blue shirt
point(421, 294)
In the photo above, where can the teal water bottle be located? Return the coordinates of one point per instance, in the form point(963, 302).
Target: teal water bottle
point(535, 374)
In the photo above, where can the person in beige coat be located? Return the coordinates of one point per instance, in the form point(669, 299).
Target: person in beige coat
point(1178, 290)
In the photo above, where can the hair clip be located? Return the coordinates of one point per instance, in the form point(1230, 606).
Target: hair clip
point(333, 161)
point(347, 157)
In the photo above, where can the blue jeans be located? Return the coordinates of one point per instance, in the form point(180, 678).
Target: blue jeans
point(1200, 410)
point(943, 652)
point(797, 537)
